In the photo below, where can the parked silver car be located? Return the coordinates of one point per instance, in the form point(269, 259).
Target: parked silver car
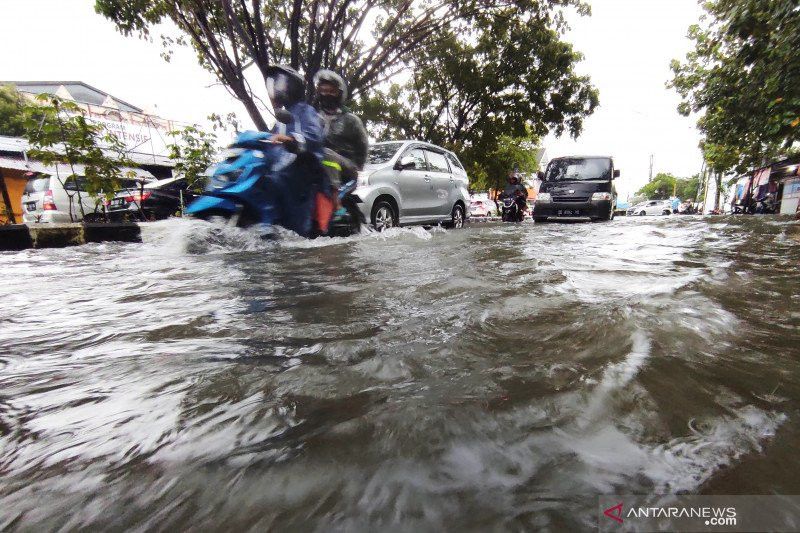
point(412, 182)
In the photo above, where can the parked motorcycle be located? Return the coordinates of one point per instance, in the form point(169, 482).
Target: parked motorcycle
point(240, 191)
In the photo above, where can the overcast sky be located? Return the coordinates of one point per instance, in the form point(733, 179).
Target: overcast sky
point(627, 43)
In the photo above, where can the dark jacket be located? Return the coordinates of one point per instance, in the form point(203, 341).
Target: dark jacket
point(511, 189)
point(345, 134)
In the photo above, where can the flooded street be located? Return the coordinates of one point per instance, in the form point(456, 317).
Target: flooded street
point(497, 377)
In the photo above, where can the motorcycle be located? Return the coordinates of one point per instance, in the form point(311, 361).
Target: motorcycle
point(241, 191)
point(511, 210)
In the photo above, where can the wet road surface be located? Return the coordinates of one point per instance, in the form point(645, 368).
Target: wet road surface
point(497, 377)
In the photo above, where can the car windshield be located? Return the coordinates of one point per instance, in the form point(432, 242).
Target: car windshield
point(37, 185)
point(382, 153)
point(579, 169)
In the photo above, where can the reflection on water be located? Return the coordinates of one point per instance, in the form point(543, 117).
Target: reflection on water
point(497, 376)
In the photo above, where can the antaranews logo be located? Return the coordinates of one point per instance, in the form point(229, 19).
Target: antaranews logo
point(615, 512)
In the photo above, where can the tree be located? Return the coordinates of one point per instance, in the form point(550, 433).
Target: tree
point(12, 111)
point(686, 188)
point(505, 82)
point(744, 77)
point(659, 188)
point(509, 153)
point(193, 152)
point(369, 41)
point(59, 133)
point(665, 185)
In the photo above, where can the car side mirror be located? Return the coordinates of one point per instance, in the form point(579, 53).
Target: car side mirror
point(540, 175)
point(283, 116)
point(616, 173)
point(406, 162)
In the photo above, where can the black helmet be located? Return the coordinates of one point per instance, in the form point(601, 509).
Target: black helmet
point(329, 76)
point(285, 85)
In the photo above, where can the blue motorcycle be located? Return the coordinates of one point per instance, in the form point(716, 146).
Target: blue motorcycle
point(247, 188)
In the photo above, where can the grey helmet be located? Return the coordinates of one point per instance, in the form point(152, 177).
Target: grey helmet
point(329, 76)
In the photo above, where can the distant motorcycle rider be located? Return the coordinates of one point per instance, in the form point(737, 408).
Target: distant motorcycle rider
point(515, 190)
point(344, 132)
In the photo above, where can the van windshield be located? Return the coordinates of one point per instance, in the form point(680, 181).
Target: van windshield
point(37, 185)
point(579, 169)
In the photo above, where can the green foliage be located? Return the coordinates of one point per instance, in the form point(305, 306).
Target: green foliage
point(12, 111)
point(368, 41)
point(509, 153)
point(505, 81)
point(687, 187)
point(59, 133)
point(193, 152)
point(743, 76)
point(664, 186)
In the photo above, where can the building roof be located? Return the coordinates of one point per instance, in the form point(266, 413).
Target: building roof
point(78, 90)
point(18, 147)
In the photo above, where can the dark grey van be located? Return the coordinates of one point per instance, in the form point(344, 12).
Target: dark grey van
point(577, 187)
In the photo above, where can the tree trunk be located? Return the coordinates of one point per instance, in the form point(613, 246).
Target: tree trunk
point(718, 192)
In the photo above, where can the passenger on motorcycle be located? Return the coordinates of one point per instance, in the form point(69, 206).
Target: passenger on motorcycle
point(344, 132)
point(299, 183)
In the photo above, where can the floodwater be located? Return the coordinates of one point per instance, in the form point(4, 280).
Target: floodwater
point(496, 377)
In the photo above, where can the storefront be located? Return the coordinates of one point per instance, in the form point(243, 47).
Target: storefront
point(771, 189)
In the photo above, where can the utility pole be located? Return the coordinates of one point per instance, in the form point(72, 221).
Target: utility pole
point(651, 167)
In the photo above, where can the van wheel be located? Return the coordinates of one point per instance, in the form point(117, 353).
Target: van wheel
point(383, 216)
point(456, 217)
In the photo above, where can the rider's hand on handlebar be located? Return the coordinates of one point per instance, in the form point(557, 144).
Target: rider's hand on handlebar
point(279, 138)
point(288, 142)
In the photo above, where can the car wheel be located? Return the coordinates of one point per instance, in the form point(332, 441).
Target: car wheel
point(383, 216)
point(457, 217)
point(642, 213)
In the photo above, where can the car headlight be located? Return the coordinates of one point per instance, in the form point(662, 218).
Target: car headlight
point(544, 197)
point(601, 196)
point(363, 178)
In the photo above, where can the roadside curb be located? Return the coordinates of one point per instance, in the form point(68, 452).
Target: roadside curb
point(21, 236)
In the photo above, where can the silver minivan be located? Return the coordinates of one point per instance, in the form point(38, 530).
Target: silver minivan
point(48, 199)
point(412, 182)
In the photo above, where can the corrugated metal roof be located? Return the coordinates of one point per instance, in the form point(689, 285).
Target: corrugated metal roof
point(80, 91)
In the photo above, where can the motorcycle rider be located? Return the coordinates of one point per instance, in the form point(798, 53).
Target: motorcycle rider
point(344, 132)
point(297, 185)
point(516, 190)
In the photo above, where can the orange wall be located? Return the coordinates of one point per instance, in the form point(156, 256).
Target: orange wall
point(15, 184)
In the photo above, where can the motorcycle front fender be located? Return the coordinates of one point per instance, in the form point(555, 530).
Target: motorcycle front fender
point(206, 205)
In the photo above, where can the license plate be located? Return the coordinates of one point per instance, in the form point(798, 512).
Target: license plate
point(569, 212)
point(30, 206)
point(117, 202)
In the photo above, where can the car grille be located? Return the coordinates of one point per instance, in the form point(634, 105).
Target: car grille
point(570, 198)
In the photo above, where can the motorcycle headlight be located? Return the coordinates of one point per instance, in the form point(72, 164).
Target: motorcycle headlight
point(544, 197)
point(601, 196)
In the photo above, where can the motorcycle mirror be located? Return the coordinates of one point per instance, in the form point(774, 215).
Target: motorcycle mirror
point(283, 116)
